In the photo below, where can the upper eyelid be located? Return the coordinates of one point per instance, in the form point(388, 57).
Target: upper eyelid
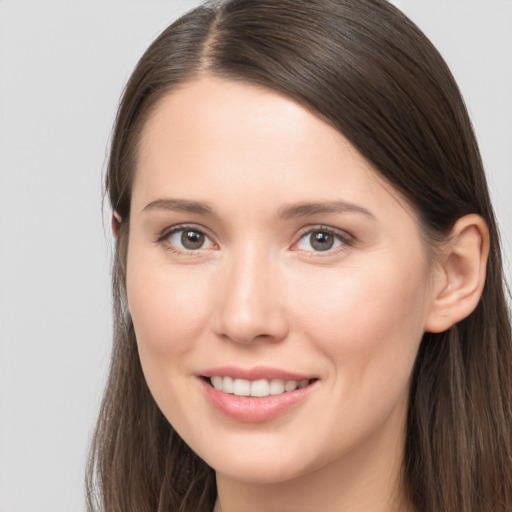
point(164, 236)
point(319, 227)
point(168, 231)
point(347, 239)
point(343, 234)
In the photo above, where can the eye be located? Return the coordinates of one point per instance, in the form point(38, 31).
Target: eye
point(321, 240)
point(188, 239)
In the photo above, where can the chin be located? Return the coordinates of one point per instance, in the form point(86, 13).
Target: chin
point(263, 460)
point(264, 472)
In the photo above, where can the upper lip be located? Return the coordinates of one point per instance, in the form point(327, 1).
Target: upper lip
point(255, 373)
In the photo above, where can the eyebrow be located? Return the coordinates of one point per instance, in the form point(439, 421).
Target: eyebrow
point(307, 209)
point(285, 213)
point(179, 205)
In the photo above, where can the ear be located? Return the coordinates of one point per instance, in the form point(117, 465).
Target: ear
point(460, 276)
point(116, 223)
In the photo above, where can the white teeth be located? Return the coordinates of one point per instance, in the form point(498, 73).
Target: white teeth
point(290, 385)
point(217, 383)
point(256, 388)
point(276, 386)
point(227, 385)
point(242, 387)
point(260, 388)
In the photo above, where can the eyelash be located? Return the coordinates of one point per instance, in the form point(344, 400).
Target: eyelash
point(164, 237)
point(344, 239)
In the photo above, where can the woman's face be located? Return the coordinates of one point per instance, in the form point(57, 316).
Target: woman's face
point(267, 257)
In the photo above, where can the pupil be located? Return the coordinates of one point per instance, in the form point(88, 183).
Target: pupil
point(192, 239)
point(322, 241)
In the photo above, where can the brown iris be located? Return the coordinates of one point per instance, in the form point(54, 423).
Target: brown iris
point(192, 239)
point(321, 240)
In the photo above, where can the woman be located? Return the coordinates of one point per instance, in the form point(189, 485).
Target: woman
point(309, 302)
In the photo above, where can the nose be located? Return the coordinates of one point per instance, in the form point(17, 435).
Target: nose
point(250, 300)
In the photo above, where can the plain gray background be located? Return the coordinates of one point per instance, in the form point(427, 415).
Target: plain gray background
point(62, 68)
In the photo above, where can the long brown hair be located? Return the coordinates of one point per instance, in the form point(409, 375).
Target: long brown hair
point(363, 67)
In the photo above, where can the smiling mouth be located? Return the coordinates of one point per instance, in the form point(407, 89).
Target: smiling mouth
point(256, 388)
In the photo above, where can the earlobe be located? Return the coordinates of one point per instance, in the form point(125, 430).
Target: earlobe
point(461, 274)
point(116, 223)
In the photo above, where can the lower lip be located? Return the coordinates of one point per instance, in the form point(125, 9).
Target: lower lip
point(249, 409)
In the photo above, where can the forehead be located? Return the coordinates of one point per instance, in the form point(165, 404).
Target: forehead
point(210, 137)
point(222, 114)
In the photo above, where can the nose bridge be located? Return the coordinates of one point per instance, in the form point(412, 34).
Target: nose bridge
point(250, 305)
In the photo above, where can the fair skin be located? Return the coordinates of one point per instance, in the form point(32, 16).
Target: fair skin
point(300, 261)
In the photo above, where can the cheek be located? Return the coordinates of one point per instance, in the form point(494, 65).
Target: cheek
point(169, 312)
point(368, 323)
point(359, 300)
point(168, 308)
